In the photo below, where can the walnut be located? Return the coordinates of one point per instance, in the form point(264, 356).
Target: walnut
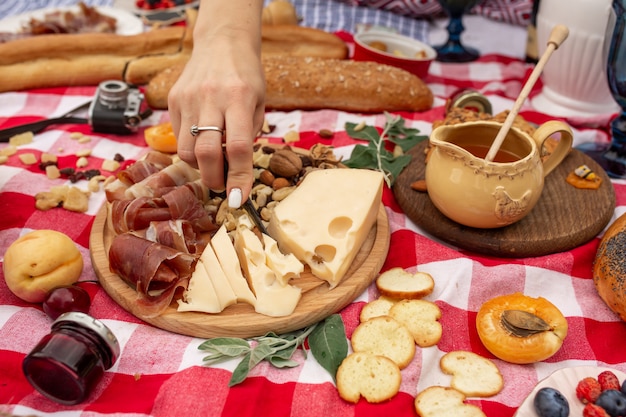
point(285, 163)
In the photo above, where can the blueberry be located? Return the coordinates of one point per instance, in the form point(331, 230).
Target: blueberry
point(549, 402)
point(624, 387)
point(613, 402)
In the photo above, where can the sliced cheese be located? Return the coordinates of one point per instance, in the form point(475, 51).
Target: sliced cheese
point(227, 257)
point(327, 218)
point(200, 294)
point(272, 298)
point(284, 266)
point(224, 292)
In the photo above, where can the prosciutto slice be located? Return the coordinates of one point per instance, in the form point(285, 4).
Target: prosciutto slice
point(179, 173)
point(178, 234)
point(155, 271)
point(152, 163)
point(179, 203)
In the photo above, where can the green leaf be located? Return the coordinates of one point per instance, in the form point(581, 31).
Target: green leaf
point(279, 362)
point(375, 156)
point(229, 346)
point(241, 371)
point(329, 344)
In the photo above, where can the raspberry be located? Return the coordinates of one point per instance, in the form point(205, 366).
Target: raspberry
point(608, 380)
point(592, 410)
point(588, 390)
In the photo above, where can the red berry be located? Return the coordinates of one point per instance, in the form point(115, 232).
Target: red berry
point(65, 299)
point(588, 390)
point(608, 380)
point(592, 410)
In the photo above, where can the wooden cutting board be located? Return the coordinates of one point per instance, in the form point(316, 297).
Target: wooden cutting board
point(240, 320)
point(564, 218)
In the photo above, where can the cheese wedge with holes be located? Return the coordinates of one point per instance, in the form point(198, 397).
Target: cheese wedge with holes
point(200, 294)
point(227, 257)
point(272, 298)
point(326, 219)
point(284, 266)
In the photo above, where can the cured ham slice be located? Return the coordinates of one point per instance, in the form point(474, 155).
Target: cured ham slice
point(152, 163)
point(155, 271)
point(179, 173)
point(178, 234)
point(179, 203)
point(132, 215)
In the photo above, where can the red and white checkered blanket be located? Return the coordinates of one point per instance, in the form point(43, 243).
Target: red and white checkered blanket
point(162, 374)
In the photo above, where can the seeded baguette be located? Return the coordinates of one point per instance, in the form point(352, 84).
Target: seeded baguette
point(307, 83)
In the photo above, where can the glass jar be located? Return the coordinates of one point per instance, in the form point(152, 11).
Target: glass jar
point(68, 362)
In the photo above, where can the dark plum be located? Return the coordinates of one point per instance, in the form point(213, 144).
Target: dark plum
point(66, 298)
point(613, 402)
point(549, 402)
point(624, 387)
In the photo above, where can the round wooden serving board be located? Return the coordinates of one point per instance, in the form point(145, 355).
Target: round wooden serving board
point(564, 218)
point(240, 320)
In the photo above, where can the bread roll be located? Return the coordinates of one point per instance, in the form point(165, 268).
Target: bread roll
point(305, 83)
point(609, 269)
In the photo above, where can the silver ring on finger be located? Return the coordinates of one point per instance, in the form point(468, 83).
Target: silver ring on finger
point(195, 129)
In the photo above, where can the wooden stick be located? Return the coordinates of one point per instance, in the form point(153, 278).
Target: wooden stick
point(557, 36)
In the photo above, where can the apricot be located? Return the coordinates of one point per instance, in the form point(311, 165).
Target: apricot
point(521, 329)
point(161, 138)
point(40, 261)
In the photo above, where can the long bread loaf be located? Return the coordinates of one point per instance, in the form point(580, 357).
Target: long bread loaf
point(86, 59)
point(314, 83)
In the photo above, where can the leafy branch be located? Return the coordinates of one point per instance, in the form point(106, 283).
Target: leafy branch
point(327, 341)
point(375, 154)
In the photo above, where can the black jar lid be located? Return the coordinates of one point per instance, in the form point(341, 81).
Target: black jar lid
point(95, 326)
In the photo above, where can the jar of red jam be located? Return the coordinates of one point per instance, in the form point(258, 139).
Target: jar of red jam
point(68, 362)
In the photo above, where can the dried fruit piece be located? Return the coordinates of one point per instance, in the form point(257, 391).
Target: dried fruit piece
point(592, 410)
point(588, 390)
point(608, 380)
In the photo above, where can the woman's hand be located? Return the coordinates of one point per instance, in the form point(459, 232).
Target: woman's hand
point(222, 86)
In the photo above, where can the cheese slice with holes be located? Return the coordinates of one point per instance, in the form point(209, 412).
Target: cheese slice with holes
point(327, 218)
point(284, 266)
point(227, 257)
point(200, 294)
point(272, 298)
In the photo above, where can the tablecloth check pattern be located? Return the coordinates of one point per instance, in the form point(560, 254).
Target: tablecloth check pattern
point(162, 374)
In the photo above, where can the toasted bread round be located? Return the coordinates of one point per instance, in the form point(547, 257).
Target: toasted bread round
point(376, 308)
point(438, 401)
point(400, 284)
point(421, 318)
point(387, 337)
point(472, 374)
point(374, 377)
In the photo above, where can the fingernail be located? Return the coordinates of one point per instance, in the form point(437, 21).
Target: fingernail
point(234, 198)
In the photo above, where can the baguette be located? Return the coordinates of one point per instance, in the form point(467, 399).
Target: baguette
point(293, 40)
point(70, 46)
point(307, 83)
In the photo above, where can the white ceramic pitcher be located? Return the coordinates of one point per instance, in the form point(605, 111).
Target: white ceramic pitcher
point(575, 80)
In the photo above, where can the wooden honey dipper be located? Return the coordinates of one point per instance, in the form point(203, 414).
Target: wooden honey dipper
point(557, 36)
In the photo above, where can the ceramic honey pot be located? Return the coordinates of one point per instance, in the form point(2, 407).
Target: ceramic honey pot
point(481, 193)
